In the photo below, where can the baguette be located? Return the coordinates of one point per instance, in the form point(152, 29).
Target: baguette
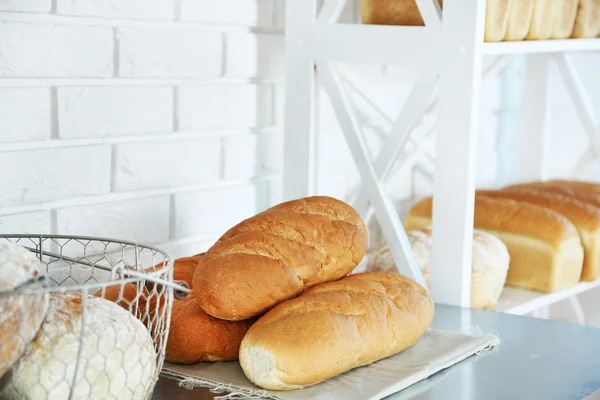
point(194, 336)
point(545, 249)
point(333, 328)
point(585, 217)
point(275, 255)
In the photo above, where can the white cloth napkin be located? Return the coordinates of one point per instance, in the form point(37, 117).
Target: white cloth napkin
point(435, 350)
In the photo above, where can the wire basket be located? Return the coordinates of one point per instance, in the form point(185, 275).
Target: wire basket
point(87, 318)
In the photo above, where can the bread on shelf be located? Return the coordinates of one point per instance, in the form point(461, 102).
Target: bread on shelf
point(276, 254)
point(406, 12)
point(585, 217)
point(565, 19)
point(545, 250)
point(519, 19)
point(543, 19)
point(490, 261)
point(21, 315)
point(587, 21)
point(333, 328)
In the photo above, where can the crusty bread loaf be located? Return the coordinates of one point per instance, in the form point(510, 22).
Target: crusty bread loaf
point(195, 336)
point(587, 22)
point(545, 250)
point(519, 19)
point(543, 19)
point(335, 327)
point(490, 261)
point(117, 354)
point(275, 255)
point(128, 297)
point(585, 217)
point(20, 315)
point(565, 19)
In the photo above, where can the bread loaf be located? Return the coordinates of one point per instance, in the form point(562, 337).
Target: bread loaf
point(406, 12)
point(545, 13)
point(565, 19)
point(519, 19)
point(584, 216)
point(333, 328)
point(20, 315)
point(490, 261)
point(195, 336)
point(142, 303)
point(582, 186)
point(496, 19)
point(116, 352)
point(545, 250)
point(577, 192)
point(587, 21)
point(275, 255)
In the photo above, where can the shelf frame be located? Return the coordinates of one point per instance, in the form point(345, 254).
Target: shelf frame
point(315, 43)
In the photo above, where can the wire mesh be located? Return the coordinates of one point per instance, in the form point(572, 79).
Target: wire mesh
point(82, 317)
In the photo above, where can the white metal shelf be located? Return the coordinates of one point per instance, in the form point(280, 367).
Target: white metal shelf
point(542, 46)
point(520, 301)
point(449, 55)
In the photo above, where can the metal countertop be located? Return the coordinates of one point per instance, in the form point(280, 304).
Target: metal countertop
point(536, 359)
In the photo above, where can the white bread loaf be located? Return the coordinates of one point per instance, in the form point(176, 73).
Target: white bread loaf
point(490, 261)
point(117, 354)
point(543, 19)
point(333, 328)
point(585, 217)
point(545, 249)
point(587, 22)
point(519, 19)
point(565, 19)
point(21, 315)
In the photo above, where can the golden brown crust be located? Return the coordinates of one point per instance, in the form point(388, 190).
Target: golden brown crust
point(584, 216)
point(513, 217)
point(387, 12)
point(334, 327)
point(195, 336)
point(581, 194)
point(127, 295)
point(276, 254)
point(587, 21)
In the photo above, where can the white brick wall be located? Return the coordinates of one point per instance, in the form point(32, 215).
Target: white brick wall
point(145, 121)
point(45, 50)
point(165, 52)
point(24, 114)
point(107, 111)
point(136, 9)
